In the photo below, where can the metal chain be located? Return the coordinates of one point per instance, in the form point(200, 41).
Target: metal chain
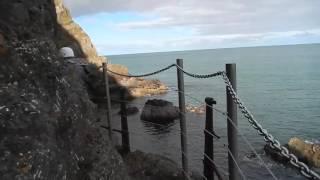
point(144, 75)
point(200, 76)
point(275, 144)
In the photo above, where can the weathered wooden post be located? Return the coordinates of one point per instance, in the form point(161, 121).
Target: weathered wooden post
point(124, 124)
point(209, 168)
point(232, 126)
point(107, 97)
point(182, 108)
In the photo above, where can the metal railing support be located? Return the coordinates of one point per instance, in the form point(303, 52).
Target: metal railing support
point(232, 126)
point(208, 169)
point(124, 124)
point(182, 108)
point(107, 96)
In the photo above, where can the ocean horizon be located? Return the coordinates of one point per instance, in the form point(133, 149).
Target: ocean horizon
point(218, 48)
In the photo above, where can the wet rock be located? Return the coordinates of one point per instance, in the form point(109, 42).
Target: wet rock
point(306, 151)
point(159, 111)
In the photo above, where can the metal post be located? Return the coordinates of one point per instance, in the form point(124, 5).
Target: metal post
point(208, 147)
point(107, 96)
point(183, 128)
point(209, 167)
point(124, 124)
point(232, 126)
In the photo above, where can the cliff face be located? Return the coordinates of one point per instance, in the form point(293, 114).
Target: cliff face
point(48, 125)
point(70, 32)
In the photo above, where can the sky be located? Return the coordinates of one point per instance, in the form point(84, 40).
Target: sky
point(140, 26)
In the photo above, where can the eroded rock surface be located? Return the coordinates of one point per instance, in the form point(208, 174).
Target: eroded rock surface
point(308, 152)
point(48, 126)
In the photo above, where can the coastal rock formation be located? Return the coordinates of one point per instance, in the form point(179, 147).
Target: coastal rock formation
point(308, 152)
point(72, 35)
point(48, 126)
point(159, 111)
point(305, 151)
point(70, 32)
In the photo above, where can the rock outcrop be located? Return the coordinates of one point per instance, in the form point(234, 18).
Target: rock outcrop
point(308, 152)
point(72, 35)
point(71, 32)
point(48, 125)
point(159, 111)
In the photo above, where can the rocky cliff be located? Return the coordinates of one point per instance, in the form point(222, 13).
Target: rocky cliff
point(72, 35)
point(48, 125)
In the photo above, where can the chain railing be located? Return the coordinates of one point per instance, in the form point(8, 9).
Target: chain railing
point(200, 76)
point(274, 143)
point(143, 75)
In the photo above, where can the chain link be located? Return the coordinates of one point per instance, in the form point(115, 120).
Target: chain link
point(275, 144)
point(200, 76)
point(143, 75)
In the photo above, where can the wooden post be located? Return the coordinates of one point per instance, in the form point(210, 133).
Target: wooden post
point(124, 124)
point(107, 96)
point(232, 126)
point(182, 108)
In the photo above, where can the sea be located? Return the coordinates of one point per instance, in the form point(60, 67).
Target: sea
point(280, 85)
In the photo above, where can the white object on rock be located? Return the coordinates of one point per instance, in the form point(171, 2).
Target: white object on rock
point(66, 52)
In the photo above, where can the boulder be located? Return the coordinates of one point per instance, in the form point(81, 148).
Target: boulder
point(306, 151)
point(159, 111)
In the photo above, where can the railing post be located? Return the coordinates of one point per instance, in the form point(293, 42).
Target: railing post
point(232, 126)
point(124, 124)
point(182, 108)
point(107, 96)
point(208, 169)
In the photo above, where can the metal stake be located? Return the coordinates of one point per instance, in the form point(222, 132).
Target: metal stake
point(124, 124)
point(232, 126)
point(107, 96)
point(182, 107)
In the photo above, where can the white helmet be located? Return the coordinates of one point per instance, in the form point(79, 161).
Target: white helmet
point(66, 52)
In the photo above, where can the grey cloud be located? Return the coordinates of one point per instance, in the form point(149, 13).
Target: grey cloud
point(246, 16)
point(211, 16)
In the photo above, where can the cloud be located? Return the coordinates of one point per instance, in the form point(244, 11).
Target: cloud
point(208, 42)
point(209, 22)
point(211, 16)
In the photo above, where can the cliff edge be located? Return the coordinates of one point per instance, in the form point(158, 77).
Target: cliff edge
point(48, 125)
point(72, 35)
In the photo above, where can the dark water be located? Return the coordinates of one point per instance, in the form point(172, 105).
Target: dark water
point(280, 85)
